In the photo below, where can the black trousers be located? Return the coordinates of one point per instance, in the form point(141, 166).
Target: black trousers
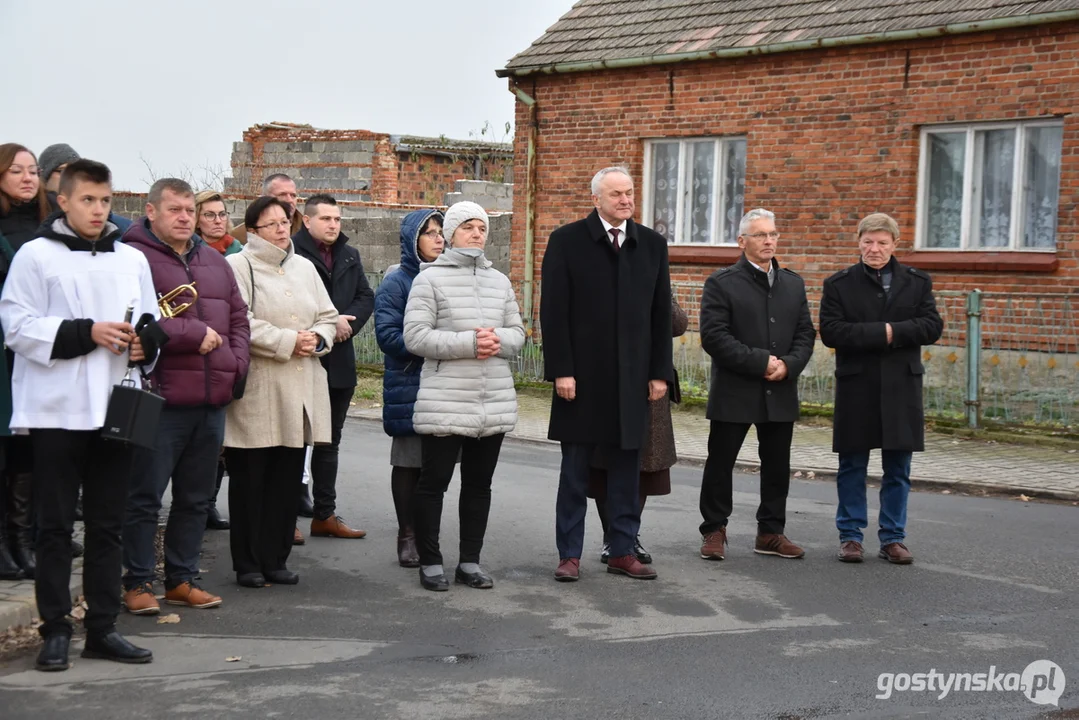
point(264, 493)
point(64, 460)
point(479, 456)
point(324, 457)
point(717, 486)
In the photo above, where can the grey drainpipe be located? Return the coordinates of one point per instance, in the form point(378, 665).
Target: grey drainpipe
point(530, 205)
point(890, 36)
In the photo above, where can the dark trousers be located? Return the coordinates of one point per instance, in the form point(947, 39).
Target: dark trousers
point(622, 504)
point(263, 497)
point(186, 450)
point(64, 460)
point(324, 457)
point(479, 456)
point(717, 486)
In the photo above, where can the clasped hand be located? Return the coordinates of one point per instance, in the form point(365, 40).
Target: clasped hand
point(777, 369)
point(487, 343)
point(306, 344)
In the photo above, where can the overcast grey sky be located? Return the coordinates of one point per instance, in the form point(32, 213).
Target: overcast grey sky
point(179, 82)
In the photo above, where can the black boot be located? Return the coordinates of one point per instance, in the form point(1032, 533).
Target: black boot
point(214, 521)
point(21, 517)
point(9, 569)
point(113, 646)
point(403, 484)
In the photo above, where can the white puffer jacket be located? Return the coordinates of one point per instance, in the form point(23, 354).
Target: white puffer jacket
point(460, 394)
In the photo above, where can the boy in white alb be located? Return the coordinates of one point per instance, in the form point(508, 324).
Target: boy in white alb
point(62, 311)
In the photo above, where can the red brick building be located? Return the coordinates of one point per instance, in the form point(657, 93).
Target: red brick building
point(958, 122)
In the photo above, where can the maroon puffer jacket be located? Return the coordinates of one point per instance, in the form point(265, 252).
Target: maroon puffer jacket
point(183, 376)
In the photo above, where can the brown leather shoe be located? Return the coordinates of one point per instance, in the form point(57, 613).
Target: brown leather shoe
point(896, 553)
point(334, 526)
point(712, 545)
point(851, 551)
point(569, 570)
point(777, 545)
point(141, 601)
point(298, 538)
point(630, 566)
point(407, 553)
point(191, 595)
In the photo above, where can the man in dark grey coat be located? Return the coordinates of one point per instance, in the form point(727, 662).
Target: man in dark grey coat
point(755, 324)
point(877, 314)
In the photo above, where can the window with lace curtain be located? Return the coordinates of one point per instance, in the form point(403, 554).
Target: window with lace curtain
point(693, 189)
point(993, 186)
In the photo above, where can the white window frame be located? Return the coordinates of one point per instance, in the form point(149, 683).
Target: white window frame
point(1018, 221)
point(721, 150)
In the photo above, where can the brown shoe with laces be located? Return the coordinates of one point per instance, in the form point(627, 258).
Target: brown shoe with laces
point(191, 595)
point(141, 601)
point(630, 566)
point(712, 545)
point(777, 545)
point(569, 570)
point(334, 526)
point(851, 552)
point(896, 553)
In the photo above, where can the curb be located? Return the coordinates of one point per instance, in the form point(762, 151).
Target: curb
point(18, 605)
point(916, 483)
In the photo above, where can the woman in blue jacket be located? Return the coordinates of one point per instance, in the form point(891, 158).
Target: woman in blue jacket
point(421, 241)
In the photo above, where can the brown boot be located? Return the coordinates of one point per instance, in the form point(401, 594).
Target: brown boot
point(630, 566)
point(851, 552)
point(407, 554)
point(191, 595)
point(334, 526)
point(712, 545)
point(140, 600)
point(896, 553)
point(777, 545)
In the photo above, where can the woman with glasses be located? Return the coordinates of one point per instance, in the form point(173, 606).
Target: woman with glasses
point(421, 242)
point(285, 405)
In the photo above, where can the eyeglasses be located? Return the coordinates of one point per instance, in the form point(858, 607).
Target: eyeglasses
point(762, 235)
point(279, 224)
point(215, 216)
point(432, 234)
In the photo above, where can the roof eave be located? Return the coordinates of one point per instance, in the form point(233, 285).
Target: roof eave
point(1018, 21)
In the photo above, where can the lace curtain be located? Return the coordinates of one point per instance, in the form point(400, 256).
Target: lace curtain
point(944, 225)
point(702, 191)
point(994, 153)
point(734, 190)
point(1041, 186)
point(665, 171)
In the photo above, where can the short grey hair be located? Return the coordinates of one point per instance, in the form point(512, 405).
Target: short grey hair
point(270, 181)
point(598, 177)
point(754, 214)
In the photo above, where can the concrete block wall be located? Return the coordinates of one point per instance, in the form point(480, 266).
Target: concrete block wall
point(491, 196)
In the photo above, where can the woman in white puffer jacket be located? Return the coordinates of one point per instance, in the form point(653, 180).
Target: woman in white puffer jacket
point(462, 318)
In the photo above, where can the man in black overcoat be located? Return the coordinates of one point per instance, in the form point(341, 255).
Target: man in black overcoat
point(605, 313)
point(756, 326)
point(321, 241)
point(877, 314)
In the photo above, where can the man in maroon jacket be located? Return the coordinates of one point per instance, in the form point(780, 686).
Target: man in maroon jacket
point(207, 356)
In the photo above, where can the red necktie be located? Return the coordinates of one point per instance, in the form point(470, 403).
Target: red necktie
point(614, 237)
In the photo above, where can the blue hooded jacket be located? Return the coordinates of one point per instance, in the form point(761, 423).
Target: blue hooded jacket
point(401, 379)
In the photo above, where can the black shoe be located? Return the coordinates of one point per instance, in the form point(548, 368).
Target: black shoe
point(605, 553)
point(23, 553)
point(307, 508)
point(113, 646)
point(479, 580)
point(214, 521)
point(438, 583)
point(77, 550)
point(643, 556)
point(53, 655)
point(9, 569)
point(251, 580)
point(282, 577)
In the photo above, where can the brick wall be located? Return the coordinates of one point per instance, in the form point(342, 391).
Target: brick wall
point(831, 136)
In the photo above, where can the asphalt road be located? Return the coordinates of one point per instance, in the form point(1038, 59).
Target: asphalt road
point(994, 585)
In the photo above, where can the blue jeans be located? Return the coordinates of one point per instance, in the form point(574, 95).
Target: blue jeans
point(188, 446)
point(852, 514)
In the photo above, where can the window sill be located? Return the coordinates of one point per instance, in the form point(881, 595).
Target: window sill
point(1043, 262)
point(704, 254)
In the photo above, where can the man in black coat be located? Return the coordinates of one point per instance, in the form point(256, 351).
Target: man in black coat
point(320, 240)
point(605, 311)
point(756, 326)
point(877, 314)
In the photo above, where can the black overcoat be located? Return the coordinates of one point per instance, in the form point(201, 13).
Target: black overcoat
point(878, 399)
point(351, 294)
point(605, 317)
point(743, 322)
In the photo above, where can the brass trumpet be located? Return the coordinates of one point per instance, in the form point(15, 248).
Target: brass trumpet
point(165, 302)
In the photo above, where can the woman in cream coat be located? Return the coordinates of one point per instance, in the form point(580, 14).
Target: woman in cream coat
point(285, 405)
point(462, 318)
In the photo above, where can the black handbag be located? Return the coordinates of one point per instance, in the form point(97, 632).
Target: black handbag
point(133, 413)
point(240, 385)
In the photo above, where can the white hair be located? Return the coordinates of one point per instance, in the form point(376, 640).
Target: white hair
point(598, 177)
point(755, 214)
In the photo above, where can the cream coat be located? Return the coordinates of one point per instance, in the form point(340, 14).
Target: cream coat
point(460, 394)
point(286, 402)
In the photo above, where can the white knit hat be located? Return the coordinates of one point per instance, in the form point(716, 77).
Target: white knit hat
point(459, 213)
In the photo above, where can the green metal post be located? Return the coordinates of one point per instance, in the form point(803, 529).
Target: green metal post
point(974, 357)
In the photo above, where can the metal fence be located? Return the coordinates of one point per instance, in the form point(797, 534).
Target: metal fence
point(1022, 366)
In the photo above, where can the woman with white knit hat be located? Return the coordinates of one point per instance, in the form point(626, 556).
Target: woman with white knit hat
point(462, 318)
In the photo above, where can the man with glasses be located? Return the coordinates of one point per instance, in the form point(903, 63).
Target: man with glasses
point(321, 241)
point(755, 325)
